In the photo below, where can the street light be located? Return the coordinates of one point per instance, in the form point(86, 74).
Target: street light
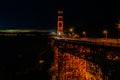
point(71, 29)
point(106, 33)
point(84, 33)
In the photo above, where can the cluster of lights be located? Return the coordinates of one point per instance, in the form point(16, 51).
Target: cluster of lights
point(105, 32)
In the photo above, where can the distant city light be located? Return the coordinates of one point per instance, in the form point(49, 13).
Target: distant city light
point(53, 33)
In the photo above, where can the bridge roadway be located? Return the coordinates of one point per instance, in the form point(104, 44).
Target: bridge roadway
point(99, 41)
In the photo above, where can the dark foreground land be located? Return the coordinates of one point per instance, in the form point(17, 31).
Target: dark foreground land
point(20, 57)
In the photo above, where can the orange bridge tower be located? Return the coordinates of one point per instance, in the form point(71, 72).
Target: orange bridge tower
point(60, 23)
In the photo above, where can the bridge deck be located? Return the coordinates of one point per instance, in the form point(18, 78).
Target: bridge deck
point(101, 41)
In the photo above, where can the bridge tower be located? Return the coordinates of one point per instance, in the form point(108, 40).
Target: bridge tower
point(60, 23)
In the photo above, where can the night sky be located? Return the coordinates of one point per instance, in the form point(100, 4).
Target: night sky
point(27, 13)
point(91, 16)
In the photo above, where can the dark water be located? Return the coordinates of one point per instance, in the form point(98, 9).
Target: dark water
point(20, 55)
